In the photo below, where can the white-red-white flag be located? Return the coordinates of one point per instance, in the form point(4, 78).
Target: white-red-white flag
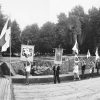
point(88, 54)
point(75, 48)
point(96, 53)
point(7, 39)
point(3, 32)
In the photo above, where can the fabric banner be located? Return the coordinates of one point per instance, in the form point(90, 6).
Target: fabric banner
point(27, 53)
point(75, 48)
point(58, 56)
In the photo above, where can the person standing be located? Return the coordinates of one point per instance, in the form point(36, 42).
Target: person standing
point(83, 68)
point(92, 66)
point(76, 69)
point(56, 72)
point(98, 66)
point(28, 69)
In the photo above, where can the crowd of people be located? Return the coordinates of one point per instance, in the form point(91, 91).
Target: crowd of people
point(91, 66)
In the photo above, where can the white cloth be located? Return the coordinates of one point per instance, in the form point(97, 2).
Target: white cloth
point(7, 38)
point(28, 68)
point(76, 70)
point(90, 70)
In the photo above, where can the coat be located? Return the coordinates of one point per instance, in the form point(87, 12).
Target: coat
point(56, 70)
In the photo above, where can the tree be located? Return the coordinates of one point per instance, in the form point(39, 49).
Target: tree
point(75, 20)
point(62, 33)
point(2, 20)
point(15, 37)
point(94, 23)
point(75, 27)
point(77, 11)
point(47, 37)
point(82, 24)
point(30, 35)
point(62, 18)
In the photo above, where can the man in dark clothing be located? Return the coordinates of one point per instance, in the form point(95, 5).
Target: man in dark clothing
point(83, 68)
point(56, 69)
point(98, 66)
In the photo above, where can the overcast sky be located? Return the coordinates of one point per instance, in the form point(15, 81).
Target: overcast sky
point(27, 12)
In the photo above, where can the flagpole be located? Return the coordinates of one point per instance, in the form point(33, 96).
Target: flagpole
point(10, 62)
point(10, 56)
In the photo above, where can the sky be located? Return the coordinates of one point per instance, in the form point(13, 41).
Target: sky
point(27, 12)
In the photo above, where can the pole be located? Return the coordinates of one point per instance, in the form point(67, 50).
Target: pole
point(26, 56)
point(10, 55)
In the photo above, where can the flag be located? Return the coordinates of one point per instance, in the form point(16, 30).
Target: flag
point(2, 36)
point(88, 54)
point(4, 29)
point(7, 38)
point(96, 53)
point(2, 40)
point(58, 56)
point(75, 48)
point(27, 52)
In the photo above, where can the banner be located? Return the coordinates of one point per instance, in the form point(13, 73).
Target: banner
point(88, 54)
point(27, 52)
point(97, 54)
point(58, 56)
point(75, 48)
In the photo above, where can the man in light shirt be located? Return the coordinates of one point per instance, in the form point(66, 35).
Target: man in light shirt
point(28, 69)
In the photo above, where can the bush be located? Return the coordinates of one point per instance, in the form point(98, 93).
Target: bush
point(18, 67)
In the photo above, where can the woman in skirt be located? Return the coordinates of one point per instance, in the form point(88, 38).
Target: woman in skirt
point(76, 69)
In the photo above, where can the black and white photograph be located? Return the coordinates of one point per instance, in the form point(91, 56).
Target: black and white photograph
point(49, 49)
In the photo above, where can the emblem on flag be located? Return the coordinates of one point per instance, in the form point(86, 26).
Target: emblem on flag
point(96, 53)
point(75, 48)
point(27, 52)
point(88, 54)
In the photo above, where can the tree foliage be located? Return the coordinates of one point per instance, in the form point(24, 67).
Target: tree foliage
point(47, 37)
point(30, 35)
point(84, 27)
point(2, 20)
point(15, 37)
